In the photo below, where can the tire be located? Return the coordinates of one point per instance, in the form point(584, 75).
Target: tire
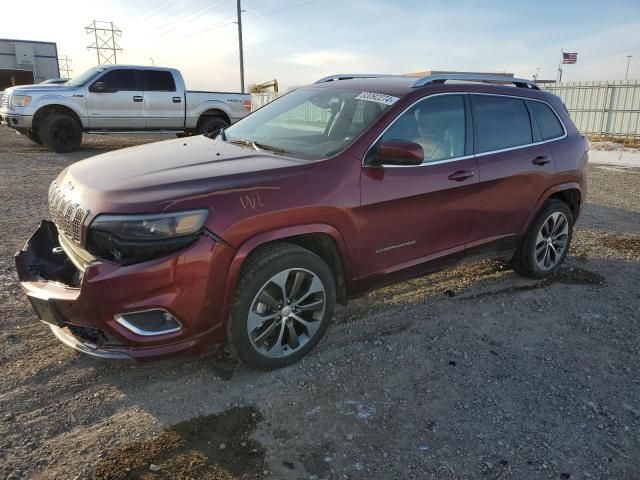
point(210, 126)
point(262, 332)
point(61, 133)
point(546, 243)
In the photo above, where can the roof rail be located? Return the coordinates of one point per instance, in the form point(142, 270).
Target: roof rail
point(434, 79)
point(349, 76)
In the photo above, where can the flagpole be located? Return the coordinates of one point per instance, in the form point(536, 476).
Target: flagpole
point(560, 66)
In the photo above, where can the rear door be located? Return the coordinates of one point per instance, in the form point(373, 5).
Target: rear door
point(515, 164)
point(119, 105)
point(413, 214)
point(163, 103)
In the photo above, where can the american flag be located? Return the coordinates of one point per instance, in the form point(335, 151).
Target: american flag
point(569, 58)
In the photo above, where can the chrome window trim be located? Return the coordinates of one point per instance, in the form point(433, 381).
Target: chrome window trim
point(465, 157)
point(119, 318)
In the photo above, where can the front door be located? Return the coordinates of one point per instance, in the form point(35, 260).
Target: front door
point(413, 214)
point(164, 106)
point(115, 101)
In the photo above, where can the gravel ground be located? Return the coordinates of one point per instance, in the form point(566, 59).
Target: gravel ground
point(468, 373)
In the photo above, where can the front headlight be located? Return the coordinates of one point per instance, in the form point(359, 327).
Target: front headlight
point(20, 100)
point(128, 239)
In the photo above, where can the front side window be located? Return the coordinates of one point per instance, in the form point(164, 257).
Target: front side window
point(547, 121)
point(437, 124)
point(119, 80)
point(157, 81)
point(499, 122)
point(311, 123)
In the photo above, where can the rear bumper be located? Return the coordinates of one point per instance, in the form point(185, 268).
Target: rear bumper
point(82, 307)
point(13, 120)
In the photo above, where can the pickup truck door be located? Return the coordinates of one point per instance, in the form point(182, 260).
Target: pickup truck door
point(115, 101)
point(163, 102)
point(415, 214)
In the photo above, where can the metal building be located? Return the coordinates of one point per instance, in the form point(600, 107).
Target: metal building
point(27, 61)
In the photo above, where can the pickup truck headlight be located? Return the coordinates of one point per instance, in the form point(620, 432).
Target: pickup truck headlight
point(127, 239)
point(20, 100)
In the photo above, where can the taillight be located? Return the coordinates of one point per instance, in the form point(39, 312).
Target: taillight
point(247, 104)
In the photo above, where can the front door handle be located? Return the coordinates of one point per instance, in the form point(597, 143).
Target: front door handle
point(176, 99)
point(541, 160)
point(137, 98)
point(460, 175)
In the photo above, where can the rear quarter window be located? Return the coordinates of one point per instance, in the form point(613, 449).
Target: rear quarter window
point(499, 122)
point(547, 121)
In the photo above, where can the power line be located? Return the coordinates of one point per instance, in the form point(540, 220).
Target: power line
point(105, 44)
point(65, 66)
point(191, 17)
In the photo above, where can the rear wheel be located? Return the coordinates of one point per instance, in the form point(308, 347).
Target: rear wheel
point(546, 243)
point(61, 133)
point(210, 126)
point(284, 303)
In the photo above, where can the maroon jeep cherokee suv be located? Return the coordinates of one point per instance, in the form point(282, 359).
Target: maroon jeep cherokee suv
point(252, 236)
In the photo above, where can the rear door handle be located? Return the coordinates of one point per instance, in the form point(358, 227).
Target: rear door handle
point(541, 160)
point(137, 98)
point(460, 175)
point(177, 99)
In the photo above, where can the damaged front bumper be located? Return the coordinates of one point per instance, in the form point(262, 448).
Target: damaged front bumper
point(85, 301)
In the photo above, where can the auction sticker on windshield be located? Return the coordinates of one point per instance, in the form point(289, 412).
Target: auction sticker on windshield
point(378, 98)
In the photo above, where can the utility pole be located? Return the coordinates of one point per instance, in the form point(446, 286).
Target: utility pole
point(240, 44)
point(626, 75)
point(105, 44)
point(65, 66)
point(153, 64)
point(535, 77)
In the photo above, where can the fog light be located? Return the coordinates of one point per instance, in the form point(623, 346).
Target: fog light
point(149, 322)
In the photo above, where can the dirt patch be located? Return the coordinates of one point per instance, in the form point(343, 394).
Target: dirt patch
point(625, 243)
point(211, 447)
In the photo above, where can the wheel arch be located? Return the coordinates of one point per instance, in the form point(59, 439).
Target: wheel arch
point(213, 112)
point(324, 240)
point(569, 193)
point(47, 110)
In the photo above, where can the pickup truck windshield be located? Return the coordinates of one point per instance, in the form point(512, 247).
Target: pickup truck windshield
point(84, 77)
point(311, 123)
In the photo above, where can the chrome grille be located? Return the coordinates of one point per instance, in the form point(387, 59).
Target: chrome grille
point(67, 215)
point(4, 103)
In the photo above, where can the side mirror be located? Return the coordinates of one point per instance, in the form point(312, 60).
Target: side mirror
point(398, 152)
point(98, 87)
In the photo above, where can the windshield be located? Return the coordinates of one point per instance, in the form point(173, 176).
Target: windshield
point(310, 122)
point(84, 77)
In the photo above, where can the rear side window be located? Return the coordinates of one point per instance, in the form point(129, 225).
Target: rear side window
point(499, 122)
point(437, 124)
point(120, 80)
point(158, 81)
point(546, 120)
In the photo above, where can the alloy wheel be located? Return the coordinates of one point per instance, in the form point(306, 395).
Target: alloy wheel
point(551, 241)
point(286, 313)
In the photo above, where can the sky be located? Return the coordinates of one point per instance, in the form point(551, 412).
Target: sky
point(299, 41)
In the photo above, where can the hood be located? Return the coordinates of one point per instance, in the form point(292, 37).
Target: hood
point(39, 88)
point(156, 175)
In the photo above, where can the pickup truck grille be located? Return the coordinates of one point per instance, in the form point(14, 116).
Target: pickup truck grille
point(67, 215)
point(4, 101)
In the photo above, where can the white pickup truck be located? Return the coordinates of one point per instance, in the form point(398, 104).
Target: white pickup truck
point(117, 99)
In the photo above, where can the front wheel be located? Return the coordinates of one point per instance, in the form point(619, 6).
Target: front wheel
point(546, 243)
point(284, 303)
point(61, 133)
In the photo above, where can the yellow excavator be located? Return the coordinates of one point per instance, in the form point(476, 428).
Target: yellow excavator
point(264, 87)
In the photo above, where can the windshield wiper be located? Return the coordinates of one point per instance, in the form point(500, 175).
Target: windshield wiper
point(243, 143)
point(269, 148)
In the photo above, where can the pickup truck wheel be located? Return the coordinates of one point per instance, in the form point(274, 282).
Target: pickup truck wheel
point(61, 133)
point(284, 303)
point(211, 125)
point(546, 243)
